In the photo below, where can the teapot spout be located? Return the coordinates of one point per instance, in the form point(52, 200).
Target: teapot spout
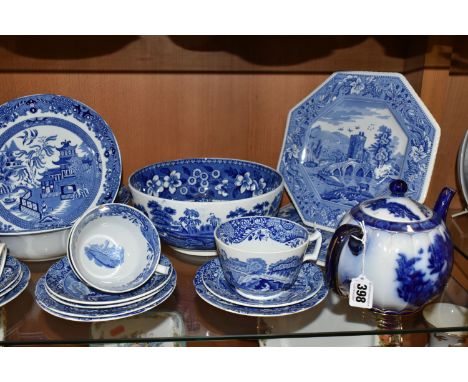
point(443, 202)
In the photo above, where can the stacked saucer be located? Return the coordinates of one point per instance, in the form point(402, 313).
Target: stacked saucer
point(262, 268)
point(113, 269)
point(13, 279)
point(61, 293)
point(308, 290)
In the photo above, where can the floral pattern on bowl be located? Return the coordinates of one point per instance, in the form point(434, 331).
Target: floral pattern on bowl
point(187, 199)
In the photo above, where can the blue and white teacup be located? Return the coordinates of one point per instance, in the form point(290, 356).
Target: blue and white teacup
point(261, 256)
point(114, 248)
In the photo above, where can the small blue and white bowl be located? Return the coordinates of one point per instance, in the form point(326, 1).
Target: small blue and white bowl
point(261, 256)
point(114, 248)
point(187, 199)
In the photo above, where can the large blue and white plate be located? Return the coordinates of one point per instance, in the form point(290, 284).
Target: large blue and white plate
point(53, 307)
point(219, 303)
point(289, 212)
point(19, 288)
point(58, 158)
point(62, 283)
point(10, 273)
point(347, 140)
point(309, 281)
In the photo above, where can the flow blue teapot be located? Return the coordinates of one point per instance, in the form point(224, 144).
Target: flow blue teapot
point(406, 247)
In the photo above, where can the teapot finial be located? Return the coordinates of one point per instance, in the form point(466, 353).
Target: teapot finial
point(398, 187)
point(443, 202)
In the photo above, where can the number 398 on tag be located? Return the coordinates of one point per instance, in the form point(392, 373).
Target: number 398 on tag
point(361, 293)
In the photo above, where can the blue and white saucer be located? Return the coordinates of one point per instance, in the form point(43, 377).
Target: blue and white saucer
point(55, 308)
point(309, 281)
point(13, 284)
point(10, 273)
point(19, 288)
point(60, 158)
point(62, 283)
point(219, 303)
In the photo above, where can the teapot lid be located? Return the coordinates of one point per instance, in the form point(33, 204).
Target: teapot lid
point(396, 207)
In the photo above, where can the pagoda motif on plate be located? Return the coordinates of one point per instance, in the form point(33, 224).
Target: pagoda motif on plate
point(39, 177)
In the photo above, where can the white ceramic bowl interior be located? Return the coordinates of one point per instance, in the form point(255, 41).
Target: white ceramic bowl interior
point(114, 248)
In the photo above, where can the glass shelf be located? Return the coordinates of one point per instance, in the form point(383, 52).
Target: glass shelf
point(185, 317)
point(457, 223)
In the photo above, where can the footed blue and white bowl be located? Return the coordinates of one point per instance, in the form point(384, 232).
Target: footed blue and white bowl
point(261, 256)
point(114, 248)
point(187, 199)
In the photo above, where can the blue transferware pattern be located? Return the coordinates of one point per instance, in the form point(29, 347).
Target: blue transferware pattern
point(57, 158)
point(289, 212)
point(189, 231)
point(106, 254)
point(148, 231)
point(219, 303)
point(205, 180)
point(407, 249)
point(308, 282)
point(57, 309)
point(19, 288)
point(62, 282)
point(47, 303)
point(10, 272)
point(257, 276)
point(13, 284)
point(261, 229)
point(187, 199)
point(350, 138)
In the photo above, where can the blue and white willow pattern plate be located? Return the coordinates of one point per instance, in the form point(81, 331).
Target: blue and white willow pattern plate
point(55, 308)
point(308, 282)
point(347, 140)
point(58, 158)
point(19, 288)
point(289, 212)
point(10, 272)
point(62, 282)
point(219, 303)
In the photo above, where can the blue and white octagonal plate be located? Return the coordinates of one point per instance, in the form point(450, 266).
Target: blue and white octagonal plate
point(58, 157)
point(347, 140)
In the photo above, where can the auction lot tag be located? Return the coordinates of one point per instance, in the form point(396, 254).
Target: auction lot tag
point(361, 292)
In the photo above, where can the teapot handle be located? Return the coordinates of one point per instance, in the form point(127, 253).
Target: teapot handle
point(335, 248)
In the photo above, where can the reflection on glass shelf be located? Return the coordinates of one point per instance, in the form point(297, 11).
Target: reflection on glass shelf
point(457, 223)
point(185, 317)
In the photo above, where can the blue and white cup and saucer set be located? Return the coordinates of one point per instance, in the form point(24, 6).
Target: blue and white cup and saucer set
point(262, 268)
point(113, 269)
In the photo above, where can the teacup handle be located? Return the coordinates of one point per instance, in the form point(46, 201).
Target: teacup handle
point(317, 237)
point(162, 269)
